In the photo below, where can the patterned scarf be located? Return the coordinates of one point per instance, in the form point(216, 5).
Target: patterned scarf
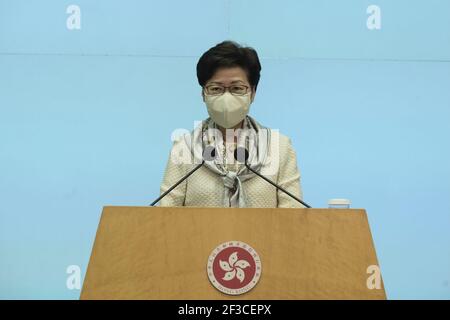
point(253, 136)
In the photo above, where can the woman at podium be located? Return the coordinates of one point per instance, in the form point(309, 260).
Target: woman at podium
point(228, 74)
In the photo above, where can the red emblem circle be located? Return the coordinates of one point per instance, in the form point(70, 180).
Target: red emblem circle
point(234, 267)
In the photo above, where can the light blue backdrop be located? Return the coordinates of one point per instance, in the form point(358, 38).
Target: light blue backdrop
point(86, 117)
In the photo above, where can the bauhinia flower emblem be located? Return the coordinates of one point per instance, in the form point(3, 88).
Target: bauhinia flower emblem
point(234, 267)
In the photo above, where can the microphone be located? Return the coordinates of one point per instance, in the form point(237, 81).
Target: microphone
point(241, 154)
point(209, 154)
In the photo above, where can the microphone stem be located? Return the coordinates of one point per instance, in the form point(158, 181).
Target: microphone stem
point(176, 184)
point(278, 187)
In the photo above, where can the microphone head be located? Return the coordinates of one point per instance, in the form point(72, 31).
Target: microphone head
point(209, 153)
point(241, 155)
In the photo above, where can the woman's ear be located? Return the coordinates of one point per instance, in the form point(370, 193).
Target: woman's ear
point(252, 96)
point(203, 95)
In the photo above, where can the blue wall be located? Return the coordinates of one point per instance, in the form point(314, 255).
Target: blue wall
point(86, 117)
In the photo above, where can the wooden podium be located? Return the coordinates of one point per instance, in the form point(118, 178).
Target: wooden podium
point(162, 253)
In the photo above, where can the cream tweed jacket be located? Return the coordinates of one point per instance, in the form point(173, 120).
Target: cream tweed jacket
point(205, 188)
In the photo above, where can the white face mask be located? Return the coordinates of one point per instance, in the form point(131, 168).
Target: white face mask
point(228, 110)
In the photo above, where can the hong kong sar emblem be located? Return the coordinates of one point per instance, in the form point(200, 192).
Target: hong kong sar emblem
point(234, 267)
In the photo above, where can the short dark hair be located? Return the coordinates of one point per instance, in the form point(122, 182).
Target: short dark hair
point(225, 55)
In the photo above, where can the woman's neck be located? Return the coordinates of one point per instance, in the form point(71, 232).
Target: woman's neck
point(224, 131)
